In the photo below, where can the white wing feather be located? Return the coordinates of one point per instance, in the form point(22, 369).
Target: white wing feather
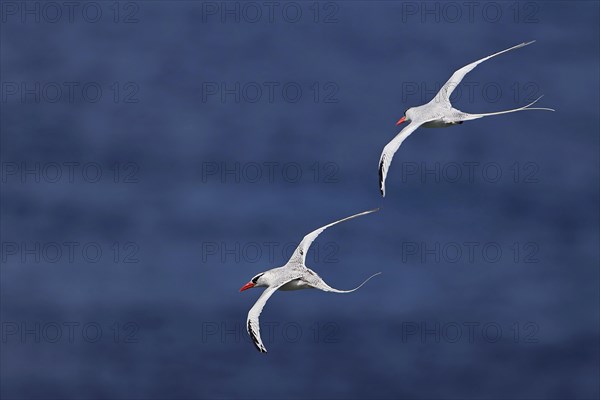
point(390, 149)
point(252, 322)
point(443, 95)
point(299, 255)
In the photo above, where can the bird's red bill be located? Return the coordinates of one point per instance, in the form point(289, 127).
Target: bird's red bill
point(401, 120)
point(247, 286)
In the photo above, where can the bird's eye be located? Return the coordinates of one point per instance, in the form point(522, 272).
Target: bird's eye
point(255, 279)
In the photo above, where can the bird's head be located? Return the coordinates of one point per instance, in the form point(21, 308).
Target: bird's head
point(257, 281)
point(406, 117)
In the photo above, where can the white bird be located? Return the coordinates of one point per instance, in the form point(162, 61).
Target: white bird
point(439, 113)
point(292, 276)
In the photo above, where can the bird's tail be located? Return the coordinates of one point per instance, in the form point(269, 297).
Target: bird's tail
point(327, 288)
point(468, 116)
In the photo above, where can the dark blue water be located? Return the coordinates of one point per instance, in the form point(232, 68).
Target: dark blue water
point(157, 155)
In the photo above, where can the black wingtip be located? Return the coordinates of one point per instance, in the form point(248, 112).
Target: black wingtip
point(260, 349)
point(255, 341)
point(381, 190)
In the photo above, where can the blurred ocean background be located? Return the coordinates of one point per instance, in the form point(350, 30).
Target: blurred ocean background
point(156, 155)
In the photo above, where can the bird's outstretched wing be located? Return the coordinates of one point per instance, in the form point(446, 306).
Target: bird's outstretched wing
point(252, 322)
point(390, 149)
point(299, 256)
point(443, 95)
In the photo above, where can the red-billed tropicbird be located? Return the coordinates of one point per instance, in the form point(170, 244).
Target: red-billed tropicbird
point(439, 113)
point(292, 276)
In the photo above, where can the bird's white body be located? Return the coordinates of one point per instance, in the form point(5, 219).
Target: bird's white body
point(296, 284)
point(295, 275)
point(439, 113)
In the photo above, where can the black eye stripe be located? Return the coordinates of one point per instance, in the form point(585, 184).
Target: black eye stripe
point(256, 278)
